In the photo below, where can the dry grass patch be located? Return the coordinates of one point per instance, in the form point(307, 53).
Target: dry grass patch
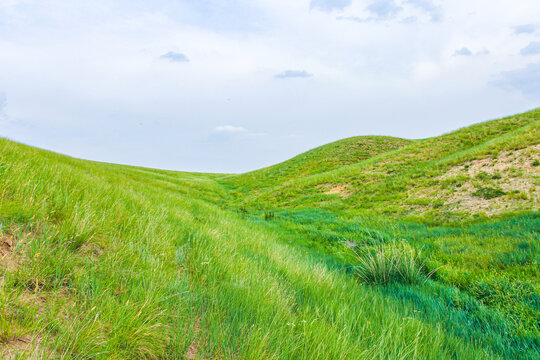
point(341, 190)
point(507, 167)
point(25, 347)
point(512, 172)
point(91, 250)
point(9, 259)
point(15, 348)
point(193, 349)
point(507, 182)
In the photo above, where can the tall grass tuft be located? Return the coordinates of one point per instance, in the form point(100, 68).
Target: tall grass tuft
point(396, 263)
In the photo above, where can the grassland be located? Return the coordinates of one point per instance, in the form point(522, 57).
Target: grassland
point(472, 173)
point(102, 261)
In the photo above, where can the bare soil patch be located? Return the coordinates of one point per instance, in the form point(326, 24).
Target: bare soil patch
point(510, 171)
point(193, 349)
point(514, 173)
point(91, 250)
point(336, 189)
point(8, 259)
point(25, 346)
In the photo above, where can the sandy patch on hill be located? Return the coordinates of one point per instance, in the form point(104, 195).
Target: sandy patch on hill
point(336, 189)
point(463, 199)
point(513, 172)
point(509, 163)
point(516, 173)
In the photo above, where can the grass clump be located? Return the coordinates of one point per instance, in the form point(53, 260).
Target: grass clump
point(489, 193)
point(399, 263)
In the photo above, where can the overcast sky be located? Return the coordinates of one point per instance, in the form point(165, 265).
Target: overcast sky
point(227, 86)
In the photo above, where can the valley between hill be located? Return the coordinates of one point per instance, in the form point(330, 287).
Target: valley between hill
point(369, 247)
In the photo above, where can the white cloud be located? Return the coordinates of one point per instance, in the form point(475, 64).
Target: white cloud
point(429, 6)
point(463, 52)
point(532, 49)
point(230, 129)
point(525, 29)
point(287, 74)
point(384, 9)
point(174, 57)
point(329, 5)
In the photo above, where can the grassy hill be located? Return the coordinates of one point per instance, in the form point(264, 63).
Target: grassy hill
point(479, 171)
point(367, 248)
point(322, 159)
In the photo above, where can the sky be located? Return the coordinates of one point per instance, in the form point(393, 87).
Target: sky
point(232, 86)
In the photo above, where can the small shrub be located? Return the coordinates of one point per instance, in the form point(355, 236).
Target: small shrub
point(395, 264)
point(488, 193)
point(376, 267)
point(243, 211)
point(438, 204)
point(483, 175)
point(269, 215)
point(536, 162)
point(519, 195)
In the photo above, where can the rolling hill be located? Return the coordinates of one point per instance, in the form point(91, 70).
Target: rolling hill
point(370, 247)
point(483, 170)
point(323, 159)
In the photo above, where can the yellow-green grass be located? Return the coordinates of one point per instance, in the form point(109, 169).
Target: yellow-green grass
point(420, 180)
point(102, 261)
point(131, 264)
point(322, 159)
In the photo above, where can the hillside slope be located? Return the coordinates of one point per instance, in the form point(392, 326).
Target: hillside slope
point(482, 170)
point(322, 159)
point(102, 261)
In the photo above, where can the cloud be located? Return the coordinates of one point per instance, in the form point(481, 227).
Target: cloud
point(435, 11)
point(532, 49)
point(467, 52)
point(354, 18)
point(409, 20)
point(329, 5)
point(463, 52)
point(525, 29)
point(230, 129)
point(117, 75)
point(287, 74)
point(526, 80)
point(174, 57)
point(384, 9)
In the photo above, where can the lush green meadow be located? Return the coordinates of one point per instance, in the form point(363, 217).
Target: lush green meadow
point(368, 248)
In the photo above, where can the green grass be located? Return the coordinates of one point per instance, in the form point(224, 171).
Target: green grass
point(418, 180)
point(398, 263)
point(322, 159)
point(101, 261)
